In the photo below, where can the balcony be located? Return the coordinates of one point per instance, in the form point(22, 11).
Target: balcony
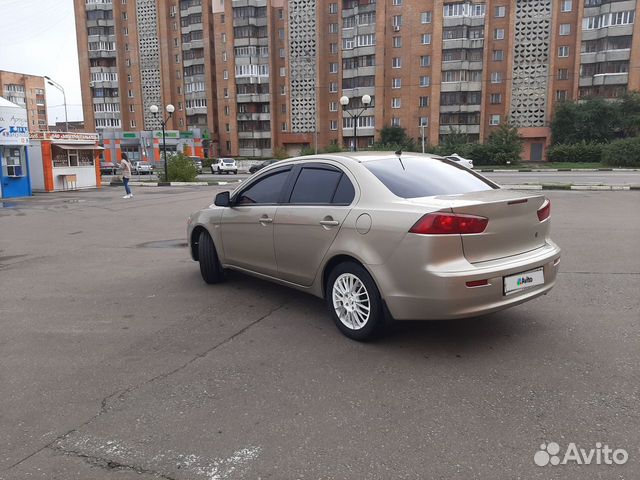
point(461, 87)
point(606, 56)
point(253, 97)
point(457, 43)
point(462, 65)
point(193, 44)
point(193, 27)
point(196, 111)
point(102, 54)
point(605, 79)
point(612, 31)
point(468, 129)
point(460, 21)
point(253, 116)
point(358, 51)
point(255, 134)
point(362, 131)
point(459, 108)
point(193, 61)
point(358, 72)
point(246, 21)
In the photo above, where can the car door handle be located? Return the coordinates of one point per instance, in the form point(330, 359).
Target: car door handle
point(329, 223)
point(265, 220)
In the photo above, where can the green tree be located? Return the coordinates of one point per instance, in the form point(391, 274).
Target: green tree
point(181, 169)
point(630, 114)
point(505, 144)
point(393, 136)
point(592, 120)
point(454, 142)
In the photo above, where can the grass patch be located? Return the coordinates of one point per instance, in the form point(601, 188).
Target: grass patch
point(527, 166)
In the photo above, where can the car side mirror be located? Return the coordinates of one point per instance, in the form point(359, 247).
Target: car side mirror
point(222, 199)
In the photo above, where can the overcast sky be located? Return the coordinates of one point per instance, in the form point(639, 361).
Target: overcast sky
point(39, 37)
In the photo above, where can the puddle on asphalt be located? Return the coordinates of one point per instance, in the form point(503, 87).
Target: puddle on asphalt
point(8, 205)
point(163, 244)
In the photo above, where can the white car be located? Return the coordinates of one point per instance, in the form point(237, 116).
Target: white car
point(225, 165)
point(465, 162)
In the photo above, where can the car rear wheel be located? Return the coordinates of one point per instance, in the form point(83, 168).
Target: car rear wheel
point(210, 267)
point(354, 302)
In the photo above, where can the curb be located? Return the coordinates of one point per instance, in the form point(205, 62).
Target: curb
point(583, 188)
point(170, 184)
point(541, 170)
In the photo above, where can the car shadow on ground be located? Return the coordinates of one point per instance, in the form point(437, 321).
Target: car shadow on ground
point(510, 327)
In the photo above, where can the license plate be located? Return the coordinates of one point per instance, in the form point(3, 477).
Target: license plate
point(523, 281)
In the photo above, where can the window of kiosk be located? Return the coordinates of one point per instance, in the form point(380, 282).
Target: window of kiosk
point(13, 162)
point(72, 158)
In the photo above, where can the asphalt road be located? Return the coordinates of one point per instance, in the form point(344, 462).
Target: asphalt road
point(118, 362)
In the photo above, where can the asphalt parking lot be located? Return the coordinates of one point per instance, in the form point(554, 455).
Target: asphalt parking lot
point(118, 362)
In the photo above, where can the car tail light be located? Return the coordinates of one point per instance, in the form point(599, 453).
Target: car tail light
point(449, 224)
point(545, 210)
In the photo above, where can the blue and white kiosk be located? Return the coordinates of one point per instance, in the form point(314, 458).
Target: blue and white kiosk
point(14, 139)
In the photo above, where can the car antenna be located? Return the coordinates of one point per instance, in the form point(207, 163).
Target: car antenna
point(399, 153)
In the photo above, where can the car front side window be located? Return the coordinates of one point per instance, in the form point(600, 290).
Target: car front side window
point(266, 190)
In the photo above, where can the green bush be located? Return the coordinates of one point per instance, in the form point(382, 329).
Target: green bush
point(181, 169)
point(575, 152)
point(207, 162)
point(622, 153)
point(333, 148)
point(307, 151)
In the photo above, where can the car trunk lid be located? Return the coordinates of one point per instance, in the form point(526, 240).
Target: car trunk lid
point(513, 226)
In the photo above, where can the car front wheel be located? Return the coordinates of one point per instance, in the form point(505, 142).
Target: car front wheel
point(354, 302)
point(210, 267)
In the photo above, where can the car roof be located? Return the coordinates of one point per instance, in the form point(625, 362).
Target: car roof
point(364, 157)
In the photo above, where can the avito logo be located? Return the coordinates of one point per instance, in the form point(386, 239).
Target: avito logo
point(525, 280)
point(549, 454)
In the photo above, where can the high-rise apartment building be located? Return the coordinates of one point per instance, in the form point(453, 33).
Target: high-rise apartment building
point(261, 75)
point(27, 91)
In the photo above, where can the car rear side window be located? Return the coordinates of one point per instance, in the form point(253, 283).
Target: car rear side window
point(414, 177)
point(345, 191)
point(265, 190)
point(315, 185)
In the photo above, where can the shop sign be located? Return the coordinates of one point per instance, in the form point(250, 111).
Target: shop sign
point(66, 137)
point(14, 127)
point(167, 134)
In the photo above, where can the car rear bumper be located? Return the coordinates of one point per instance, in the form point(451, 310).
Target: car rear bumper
point(443, 294)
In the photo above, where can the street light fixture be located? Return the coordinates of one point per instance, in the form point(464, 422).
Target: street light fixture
point(64, 96)
point(155, 110)
point(344, 101)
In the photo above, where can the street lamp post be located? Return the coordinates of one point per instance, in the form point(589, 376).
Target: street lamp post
point(344, 101)
point(170, 109)
point(64, 97)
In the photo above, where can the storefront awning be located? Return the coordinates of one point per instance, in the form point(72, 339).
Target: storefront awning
point(74, 146)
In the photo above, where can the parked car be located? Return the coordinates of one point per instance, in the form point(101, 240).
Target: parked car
point(140, 168)
point(465, 162)
point(198, 163)
point(260, 166)
point(108, 168)
point(381, 236)
point(225, 165)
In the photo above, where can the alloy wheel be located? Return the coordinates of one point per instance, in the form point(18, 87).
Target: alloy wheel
point(351, 301)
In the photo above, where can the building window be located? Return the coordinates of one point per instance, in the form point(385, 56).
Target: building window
point(565, 29)
point(563, 74)
point(281, 33)
point(423, 121)
point(333, 48)
point(495, 120)
point(397, 2)
point(498, 34)
point(333, 87)
point(125, 31)
point(501, 11)
point(227, 127)
point(284, 126)
point(282, 53)
point(225, 74)
point(283, 90)
point(423, 102)
point(561, 95)
point(496, 77)
point(495, 98)
point(563, 51)
point(425, 60)
point(396, 62)
point(566, 5)
point(395, 122)
point(224, 38)
point(396, 102)
point(333, 125)
point(333, 67)
point(132, 123)
point(397, 42)
point(125, 16)
point(425, 80)
point(333, 106)
point(333, 8)
point(226, 93)
point(283, 72)
point(396, 20)
point(132, 108)
point(396, 83)
point(130, 94)
point(280, 14)
point(498, 55)
point(426, 39)
point(333, 28)
point(224, 56)
point(425, 17)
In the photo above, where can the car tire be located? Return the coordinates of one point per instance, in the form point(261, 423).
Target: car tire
point(235, 172)
point(351, 317)
point(210, 267)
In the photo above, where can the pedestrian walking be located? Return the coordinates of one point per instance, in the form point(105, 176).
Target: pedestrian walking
point(125, 165)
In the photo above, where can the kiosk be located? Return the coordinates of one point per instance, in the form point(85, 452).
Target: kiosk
point(14, 138)
point(64, 161)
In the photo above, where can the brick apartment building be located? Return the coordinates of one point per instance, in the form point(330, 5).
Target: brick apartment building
point(27, 91)
point(252, 76)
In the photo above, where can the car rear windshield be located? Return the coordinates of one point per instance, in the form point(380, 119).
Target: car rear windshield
point(415, 177)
